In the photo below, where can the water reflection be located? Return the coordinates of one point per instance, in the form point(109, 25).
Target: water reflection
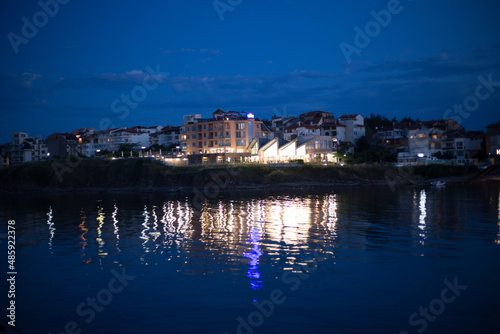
point(254, 255)
point(52, 229)
point(498, 235)
point(423, 215)
point(237, 233)
point(84, 230)
point(116, 230)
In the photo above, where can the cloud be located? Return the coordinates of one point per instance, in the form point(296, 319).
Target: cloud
point(108, 80)
point(189, 50)
point(441, 65)
point(19, 91)
point(28, 78)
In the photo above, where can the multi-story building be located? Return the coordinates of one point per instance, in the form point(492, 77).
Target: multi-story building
point(461, 144)
point(355, 127)
point(5, 155)
point(25, 149)
point(224, 137)
point(169, 135)
point(111, 139)
point(136, 136)
point(425, 138)
point(393, 137)
point(62, 144)
point(301, 129)
point(493, 139)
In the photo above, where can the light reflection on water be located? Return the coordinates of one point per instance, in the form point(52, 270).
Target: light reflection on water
point(237, 249)
point(279, 226)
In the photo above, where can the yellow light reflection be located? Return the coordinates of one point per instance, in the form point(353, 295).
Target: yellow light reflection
point(144, 235)
point(84, 231)
point(100, 223)
point(286, 223)
point(116, 230)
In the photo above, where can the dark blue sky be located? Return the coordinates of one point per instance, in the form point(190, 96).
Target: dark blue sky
point(266, 57)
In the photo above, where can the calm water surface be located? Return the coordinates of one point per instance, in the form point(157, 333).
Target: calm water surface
point(347, 260)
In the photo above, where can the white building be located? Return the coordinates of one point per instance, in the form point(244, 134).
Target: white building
point(463, 145)
point(300, 129)
point(308, 149)
point(169, 135)
point(25, 149)
point(425, 138)
point(355, 127)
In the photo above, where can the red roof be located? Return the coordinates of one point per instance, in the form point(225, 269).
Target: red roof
point(349, 116)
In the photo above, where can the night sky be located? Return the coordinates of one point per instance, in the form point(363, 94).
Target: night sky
point(265, 57)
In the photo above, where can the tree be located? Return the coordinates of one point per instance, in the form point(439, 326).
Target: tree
point(125, 147)
point(410, 120)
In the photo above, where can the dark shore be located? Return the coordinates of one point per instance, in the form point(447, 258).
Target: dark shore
point(146, 175)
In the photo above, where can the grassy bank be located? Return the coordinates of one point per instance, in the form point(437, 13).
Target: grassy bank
point(145, 173)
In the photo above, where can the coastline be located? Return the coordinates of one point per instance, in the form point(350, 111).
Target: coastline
point(146, 175)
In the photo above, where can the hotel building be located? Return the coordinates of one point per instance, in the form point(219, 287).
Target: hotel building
point(224, 137)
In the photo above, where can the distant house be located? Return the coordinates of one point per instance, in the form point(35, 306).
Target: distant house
point(316, 149)
point(5, 155)
point(24, 149)
point(301, 129)
point(62, 144)
point(355, 127)
point(308, 149)
point(425, 138)
point(493, 139)
point(137, 136)
point(266, 150)
point(393, 137)
point(463, 145)
point(335, 130)
point(169, 135)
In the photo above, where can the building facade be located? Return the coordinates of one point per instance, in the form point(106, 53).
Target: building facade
point(493, 139)
point(225, 133)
